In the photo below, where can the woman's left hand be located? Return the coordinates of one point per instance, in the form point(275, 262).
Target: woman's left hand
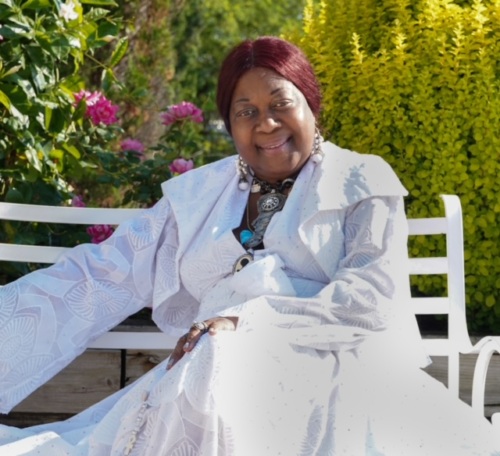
point(189, 340)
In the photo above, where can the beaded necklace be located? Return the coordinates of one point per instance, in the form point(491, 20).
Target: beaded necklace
point(272, 200)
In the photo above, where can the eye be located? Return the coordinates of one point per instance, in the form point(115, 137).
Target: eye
point(282, 104)
point(245, 112)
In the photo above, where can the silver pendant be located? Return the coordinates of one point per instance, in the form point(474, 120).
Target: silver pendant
point(242, 261)
point(271, 202)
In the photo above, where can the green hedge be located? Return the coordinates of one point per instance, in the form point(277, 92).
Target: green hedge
point(418, 83)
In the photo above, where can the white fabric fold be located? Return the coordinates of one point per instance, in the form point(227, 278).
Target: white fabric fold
point(263, 276)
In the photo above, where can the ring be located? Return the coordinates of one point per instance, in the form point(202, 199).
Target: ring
point(200, 326)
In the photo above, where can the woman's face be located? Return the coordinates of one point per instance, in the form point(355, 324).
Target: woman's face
point(271, 124)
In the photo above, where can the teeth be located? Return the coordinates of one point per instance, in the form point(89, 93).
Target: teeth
point(274, 146)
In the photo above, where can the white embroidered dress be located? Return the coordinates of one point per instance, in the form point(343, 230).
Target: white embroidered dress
point(325, 357)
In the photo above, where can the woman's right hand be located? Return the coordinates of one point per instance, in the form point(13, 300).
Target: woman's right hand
point(188, 341)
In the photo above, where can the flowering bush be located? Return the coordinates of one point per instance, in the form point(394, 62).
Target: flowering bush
point(98, 108)
point(180, 166)
point(180, 112)
point(99, 233)
point(77, 201)
point(44, 139)
point(61, 140)
point(139, 171)
point(132, 145)
point(130, 173)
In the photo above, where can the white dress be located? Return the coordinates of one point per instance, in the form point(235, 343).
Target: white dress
point(313, 367)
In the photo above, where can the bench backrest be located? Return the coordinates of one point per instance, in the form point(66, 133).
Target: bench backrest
point(452, 265)
point(453, 305)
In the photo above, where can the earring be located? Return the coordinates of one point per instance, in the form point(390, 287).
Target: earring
point(242, 170)
point(316, 153)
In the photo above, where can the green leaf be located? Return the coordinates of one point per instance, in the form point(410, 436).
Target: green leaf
point(32, 156)
point(57, 154)
point(12, 70)
point(85, 164)
point(490, 301)
point(4, 99)
point(108, 78)
point(14, 196)
point(72, 150)
point(37, 4)
point(99, 2)
point(48, 117)
point(119, 52)
point(56, 122)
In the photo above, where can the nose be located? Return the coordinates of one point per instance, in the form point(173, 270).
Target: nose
point(267, 122)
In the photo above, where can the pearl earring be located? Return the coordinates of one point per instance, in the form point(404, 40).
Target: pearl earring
point(316, 153)
point(242, 169)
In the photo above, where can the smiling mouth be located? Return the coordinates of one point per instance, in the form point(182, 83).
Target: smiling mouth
point(274, 146)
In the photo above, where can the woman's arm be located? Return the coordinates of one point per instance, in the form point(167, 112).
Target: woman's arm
point(367, 296)
point(53, 313)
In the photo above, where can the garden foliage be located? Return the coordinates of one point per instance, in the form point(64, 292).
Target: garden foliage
point(418, 82)
point(43, 135)
point(85, 91)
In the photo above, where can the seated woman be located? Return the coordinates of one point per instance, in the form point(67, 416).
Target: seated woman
point(290, 258)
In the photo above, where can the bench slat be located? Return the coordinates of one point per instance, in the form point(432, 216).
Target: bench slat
point(127, 340)
point(70, 215)
point(438, 347)
point(427, 226)
point(426, 266)
point(30, 253)
point(430, 306)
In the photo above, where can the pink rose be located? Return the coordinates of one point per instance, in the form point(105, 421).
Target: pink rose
point(99, 233)
point(77, 201)
point(182, 111)
point(180, 166)
point(132, 145)
point(99, 108)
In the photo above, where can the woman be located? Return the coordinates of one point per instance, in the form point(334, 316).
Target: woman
point(291, 261)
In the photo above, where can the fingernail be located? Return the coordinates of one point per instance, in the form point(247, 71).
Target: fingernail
point(186, 346)
point(169, 363)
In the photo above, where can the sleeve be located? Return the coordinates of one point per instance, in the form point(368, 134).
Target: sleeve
point(367, 297)
point(48, 317)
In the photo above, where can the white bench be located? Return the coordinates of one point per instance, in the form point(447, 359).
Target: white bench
point(125, 340)
point(455, 343)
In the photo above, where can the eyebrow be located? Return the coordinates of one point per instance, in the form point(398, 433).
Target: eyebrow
point(246, 100)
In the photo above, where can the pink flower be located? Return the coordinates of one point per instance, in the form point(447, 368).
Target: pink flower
point(180, 166)
point(77, 201)
point(99, 233)
point(99, 108)
point(182, 111)
point(132, 145)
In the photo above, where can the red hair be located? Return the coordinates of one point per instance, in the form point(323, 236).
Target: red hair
point(274, 54)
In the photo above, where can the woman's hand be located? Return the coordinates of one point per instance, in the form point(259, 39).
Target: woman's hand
point(188, 341)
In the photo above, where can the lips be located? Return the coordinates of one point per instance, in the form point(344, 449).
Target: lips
point(274, 145)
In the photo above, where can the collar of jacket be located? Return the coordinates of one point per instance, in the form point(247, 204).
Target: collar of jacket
point(342, 179)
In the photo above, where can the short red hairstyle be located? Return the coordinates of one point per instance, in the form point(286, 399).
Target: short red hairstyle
point(274, 54)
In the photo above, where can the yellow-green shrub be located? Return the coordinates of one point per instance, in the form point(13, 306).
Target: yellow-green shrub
point(417, 82)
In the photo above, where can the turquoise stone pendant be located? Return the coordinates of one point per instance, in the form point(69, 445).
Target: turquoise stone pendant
point(245, 236)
